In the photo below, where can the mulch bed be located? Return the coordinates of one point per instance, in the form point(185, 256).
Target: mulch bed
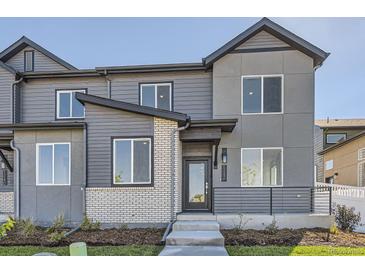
point(140, 236)
point(291, 237)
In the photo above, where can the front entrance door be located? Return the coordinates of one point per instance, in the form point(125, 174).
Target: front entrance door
point(197, 183)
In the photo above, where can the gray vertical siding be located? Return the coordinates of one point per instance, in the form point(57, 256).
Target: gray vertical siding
point(41, 62)
point(6, 79)
point(9, 187)
point(103, 124)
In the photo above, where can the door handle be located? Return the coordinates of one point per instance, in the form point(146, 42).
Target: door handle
point(206, 188)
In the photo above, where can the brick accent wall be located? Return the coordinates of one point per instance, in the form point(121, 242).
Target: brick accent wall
point(6, 202)
point(142, 204)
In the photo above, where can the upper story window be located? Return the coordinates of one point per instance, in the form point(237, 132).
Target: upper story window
point(68, 107)
point(262, 94)
point(53, 163)
point(132, 161)
point(28, 60)
point(333, 138)
point(261, 167)
point(157, 95)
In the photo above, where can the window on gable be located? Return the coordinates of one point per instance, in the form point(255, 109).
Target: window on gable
point(333, 138)
point(132, 161)
point(68, 107)
point(156, 95)
point(28, 60)
point(261, 167)
point(53, 164)
point(262, 94)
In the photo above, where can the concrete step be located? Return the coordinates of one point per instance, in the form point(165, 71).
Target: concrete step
point(189, 238)
point(196, 225)
point(196, 217)
point(194, 251)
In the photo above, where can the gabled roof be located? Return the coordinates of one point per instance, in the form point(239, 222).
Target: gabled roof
point(340, 123)
point(96, 100)
point(22, 43)
point(8, 68)
point(342, 143)
point(276, 30)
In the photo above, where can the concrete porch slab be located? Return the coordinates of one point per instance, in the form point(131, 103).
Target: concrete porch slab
point(194, 251)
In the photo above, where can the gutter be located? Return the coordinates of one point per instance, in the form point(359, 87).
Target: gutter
point(16, 180)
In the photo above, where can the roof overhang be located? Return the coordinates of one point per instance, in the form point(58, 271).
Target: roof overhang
point(226, 125)
point(276, 30)
point(152, 68)
point(40, 126)
point(342, 143)
point(96, 100)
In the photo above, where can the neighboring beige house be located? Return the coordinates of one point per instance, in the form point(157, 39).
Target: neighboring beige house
point(342, 158)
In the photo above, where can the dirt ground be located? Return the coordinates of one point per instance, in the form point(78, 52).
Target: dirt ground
point(290, 237)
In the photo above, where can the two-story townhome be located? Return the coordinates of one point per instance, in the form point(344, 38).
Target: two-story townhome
point(140, 144)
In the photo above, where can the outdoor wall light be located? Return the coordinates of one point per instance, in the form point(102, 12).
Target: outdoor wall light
point(224, 155)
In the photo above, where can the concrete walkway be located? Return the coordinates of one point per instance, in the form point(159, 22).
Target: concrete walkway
point(192, 237)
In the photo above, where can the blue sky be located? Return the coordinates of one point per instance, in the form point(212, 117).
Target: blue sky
point(91, 42)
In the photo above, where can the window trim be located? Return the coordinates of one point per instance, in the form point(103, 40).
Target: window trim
point(334, 133)
point(358, 173)
point(57, 103)
point(263, 76)
point(171, 84)
point(25, 58)
point(37, 163)
point(262, 160)
point(359, 154)
point(151, 162)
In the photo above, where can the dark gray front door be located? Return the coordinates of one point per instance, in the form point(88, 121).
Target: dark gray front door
point(197, 184)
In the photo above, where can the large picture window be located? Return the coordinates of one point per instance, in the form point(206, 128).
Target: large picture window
point(261, 167)
point(68, 107)
point(262, 94)
point(156, 95)
point(132, 161)
point(53, 164)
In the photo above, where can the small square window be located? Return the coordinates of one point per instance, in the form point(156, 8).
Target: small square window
point(68, 107)
point(157, 95)
point(333, 138)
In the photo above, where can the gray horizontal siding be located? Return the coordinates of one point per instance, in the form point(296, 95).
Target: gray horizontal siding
point(257, 200)
point(104, 123)
point(192, 90)
point(263, 40)
point(41, 62)
point(9, 187)
point(6, 79)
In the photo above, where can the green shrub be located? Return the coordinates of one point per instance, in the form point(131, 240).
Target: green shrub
point(346, 218)
point(26, 227)
point(56, 236)
point(333, 229)
point(58, 223)
point(88, 224)
point(6, 227)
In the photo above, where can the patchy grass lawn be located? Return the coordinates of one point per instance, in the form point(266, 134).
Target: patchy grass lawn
point(295, 251)
point(131, 250)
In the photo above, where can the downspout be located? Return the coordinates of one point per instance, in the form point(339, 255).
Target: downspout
point(17, 179)
point(172, 197)
point(108, 84)
point(12, 93)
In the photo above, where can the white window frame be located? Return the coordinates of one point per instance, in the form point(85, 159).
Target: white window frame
point(53, 155)
point(328, 165)
point(155, 85)
point(262, 77)
point(360, 152)
point(132, 160)
point(358, 173)
point(335, 134)
point(70, 91)
point(262, 164)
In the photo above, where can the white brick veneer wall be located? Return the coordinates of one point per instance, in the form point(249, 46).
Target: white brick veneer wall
point(6, 202)
point(142, 204)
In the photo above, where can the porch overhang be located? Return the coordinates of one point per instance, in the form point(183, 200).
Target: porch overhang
point(208, 131)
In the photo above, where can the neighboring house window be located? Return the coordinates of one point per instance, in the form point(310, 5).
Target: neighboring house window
point(329, 165)
point(53, 161)
point(361, 174)
point(28, 60)
point(261, 167)
point(362, 154)
point(157, 95)
point(132, 161)
point(262, 94)
point(68, 107)
point(333, 138)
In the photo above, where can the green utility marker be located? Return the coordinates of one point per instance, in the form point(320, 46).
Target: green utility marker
point(78, 249)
